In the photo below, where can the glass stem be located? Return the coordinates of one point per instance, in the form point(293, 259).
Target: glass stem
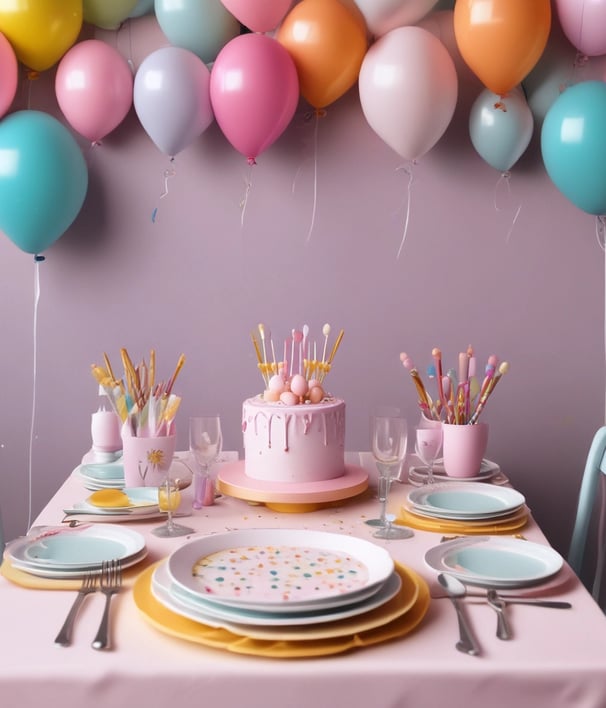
point(383, 490)
point(169, 517)
point(200, 487)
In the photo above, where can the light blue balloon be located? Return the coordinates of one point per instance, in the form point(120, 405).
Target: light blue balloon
point(573, 145)
point(43, 179)
point(500, 128)
point(202, 26)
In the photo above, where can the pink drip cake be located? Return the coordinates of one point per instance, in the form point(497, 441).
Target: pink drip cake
point(294, 431)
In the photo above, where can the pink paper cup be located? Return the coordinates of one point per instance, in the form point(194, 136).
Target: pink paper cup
point(147, 460)
point(463, 448)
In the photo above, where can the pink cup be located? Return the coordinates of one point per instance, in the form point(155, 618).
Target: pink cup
point(147, 460)
point(463, 448)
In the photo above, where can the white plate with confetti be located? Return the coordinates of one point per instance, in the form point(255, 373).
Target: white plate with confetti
point(280, 570)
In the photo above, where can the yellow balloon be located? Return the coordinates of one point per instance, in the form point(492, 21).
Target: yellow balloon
point(107, 14)
point(40, 31)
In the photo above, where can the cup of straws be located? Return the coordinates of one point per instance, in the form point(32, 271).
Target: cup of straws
point(147, 409)
point(457, 403)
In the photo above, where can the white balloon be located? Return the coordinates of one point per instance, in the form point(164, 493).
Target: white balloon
point(172, 98)
point(381, 16)
point(408, 90)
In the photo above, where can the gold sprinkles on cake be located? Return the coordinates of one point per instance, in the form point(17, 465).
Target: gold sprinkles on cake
point(279, 573)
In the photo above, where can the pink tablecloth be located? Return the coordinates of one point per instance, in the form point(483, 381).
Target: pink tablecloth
point(557, 658)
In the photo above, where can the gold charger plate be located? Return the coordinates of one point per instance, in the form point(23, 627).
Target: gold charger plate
point(504, 525)
point(390, 622)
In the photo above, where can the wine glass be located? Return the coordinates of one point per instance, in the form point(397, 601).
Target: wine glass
point(205, 444)
point(169, 498)
point(389, 437)
point(427, 447)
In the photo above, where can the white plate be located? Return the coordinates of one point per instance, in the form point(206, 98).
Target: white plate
point(78, 548)
point(276, 569)
point(495, 561)
point(44, 572)
point(193, 606)
point(465, 501)
point(142, 501)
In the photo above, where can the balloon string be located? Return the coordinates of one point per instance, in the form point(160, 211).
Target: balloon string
point(409, 171)
point(318, 114)
point(130, 60)
point(169, 173)
point(248, 183)
point(31, 77)
point(505, 178)
point(37, 260)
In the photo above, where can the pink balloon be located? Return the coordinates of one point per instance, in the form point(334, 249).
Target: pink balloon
point(381, 16)
point(408, 90)
point(584, 23)
point(258, 15)
point(172, 98)
point(254, 91)
point(94, 88)
point(8, 74)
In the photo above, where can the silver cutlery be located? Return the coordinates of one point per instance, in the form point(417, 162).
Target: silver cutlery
point(89, 585)
point(111, 581)
point(516, 600)
point(455, 589)
point(498, 605)
point(521, 600)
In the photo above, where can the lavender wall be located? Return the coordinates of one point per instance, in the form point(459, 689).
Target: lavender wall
point(197, 282)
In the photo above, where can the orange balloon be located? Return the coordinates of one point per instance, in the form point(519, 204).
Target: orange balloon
point(327, 42)
point(501, 40)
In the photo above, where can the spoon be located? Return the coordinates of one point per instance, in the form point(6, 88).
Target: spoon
point(498, 605)
point(455, 589)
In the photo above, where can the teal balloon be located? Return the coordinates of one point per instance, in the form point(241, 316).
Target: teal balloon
point(202, 26)
point(500, 128)
point(573, 145)
point(143, 7)
point(43, 179)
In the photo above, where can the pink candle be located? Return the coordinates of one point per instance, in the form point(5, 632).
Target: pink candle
point(105, 431)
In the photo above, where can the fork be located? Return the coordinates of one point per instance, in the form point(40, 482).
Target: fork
point(89, 585)
point(498, 605)
point(111, 581)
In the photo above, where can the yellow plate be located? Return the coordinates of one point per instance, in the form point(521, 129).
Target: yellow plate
point(396, 618)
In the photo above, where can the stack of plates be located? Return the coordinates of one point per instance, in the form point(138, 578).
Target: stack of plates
point(465, 502)
point(102, 475)
point(71, 552)
point(489, 472)
point(465, 508)
point(110, 475)
point(492, 561)
point(277, 585)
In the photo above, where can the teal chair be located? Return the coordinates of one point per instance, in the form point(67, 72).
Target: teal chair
point(594, 479)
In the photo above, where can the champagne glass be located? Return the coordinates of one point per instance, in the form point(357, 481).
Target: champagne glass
point(205, 444)
point(427, 447)
point(389, 438)
point(169, 498)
